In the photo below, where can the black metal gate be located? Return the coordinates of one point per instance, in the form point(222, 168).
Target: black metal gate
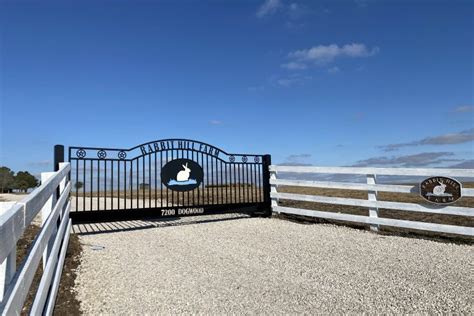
point(166, 178)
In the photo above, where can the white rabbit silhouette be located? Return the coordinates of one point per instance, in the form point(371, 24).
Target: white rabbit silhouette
point(183, 175)
point(439, 189)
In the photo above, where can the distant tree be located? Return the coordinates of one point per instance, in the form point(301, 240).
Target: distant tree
point(78, 185)
point(7, 179)
point(144, 186)
point(23, 180)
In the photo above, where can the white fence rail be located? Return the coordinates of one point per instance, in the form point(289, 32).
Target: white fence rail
point(50, 244)
point(372, 204)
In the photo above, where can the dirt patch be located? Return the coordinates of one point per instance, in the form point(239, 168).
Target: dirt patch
point(22, 248)
point(66, 301)
point(12, 197)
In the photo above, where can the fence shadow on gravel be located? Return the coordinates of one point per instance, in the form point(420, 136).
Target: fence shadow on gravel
point(122, 226)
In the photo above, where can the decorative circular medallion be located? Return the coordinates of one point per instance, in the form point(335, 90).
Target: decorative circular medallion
point(101, 154)
point(256, 159)
point(122, 154)
point(81, 153)
point(231, 158)
point(245, 159)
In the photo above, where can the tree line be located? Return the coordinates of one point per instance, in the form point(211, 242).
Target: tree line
point(20, 181)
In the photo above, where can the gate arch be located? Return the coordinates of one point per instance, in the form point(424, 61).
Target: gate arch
point(121, 183)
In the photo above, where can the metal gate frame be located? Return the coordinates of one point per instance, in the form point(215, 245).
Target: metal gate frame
point(234, 186)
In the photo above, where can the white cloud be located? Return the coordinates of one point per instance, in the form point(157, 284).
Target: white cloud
point(361, 3)
point(461, 137)
point(40, 163)
point(416, 160)
point(286, 82)
point(296, 11)
point(268, 7)
point(334, 70)
point(464, 109)
point(292, 80)
point(324, 54)
point(294, 66)
point(215, 122)
point(256, 88)
point(297, 160)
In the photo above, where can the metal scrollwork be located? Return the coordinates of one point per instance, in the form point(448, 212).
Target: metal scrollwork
point(81, 153)
point(245, 159)
point(122, 154)
point(256, 159)
point(231, 158)
point(101, 154)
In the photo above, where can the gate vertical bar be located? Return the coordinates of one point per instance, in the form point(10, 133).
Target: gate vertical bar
point(124, 183)
point(222, 184)
point(136, 184)
point(118, 185)
point(92, 184)
point(187, 157)
point(105, 184)
point(156, 182)
point(143, 181)
point(167, 198)
point(77, 185)
point(131, 184)
point(212, 180)
point(98, 185)
point(149, 180)
point(84, 185)
point(247, 183)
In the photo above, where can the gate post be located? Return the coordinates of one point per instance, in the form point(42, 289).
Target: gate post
point(58, 159)
point(58, 156)
point(267, 161)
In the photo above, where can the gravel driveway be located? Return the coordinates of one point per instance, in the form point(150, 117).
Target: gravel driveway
point(256, 265)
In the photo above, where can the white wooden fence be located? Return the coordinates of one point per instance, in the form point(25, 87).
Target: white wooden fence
point(50, 244)
point(372, 187)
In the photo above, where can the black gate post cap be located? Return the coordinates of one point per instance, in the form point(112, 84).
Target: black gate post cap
point(58, 156)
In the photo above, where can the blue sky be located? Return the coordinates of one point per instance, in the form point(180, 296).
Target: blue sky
point(383, 83)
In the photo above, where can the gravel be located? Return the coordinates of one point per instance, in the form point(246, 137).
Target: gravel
point(221, 264)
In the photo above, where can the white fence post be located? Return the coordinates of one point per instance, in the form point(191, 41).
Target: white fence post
point(372, 196)
point(45, 212)
point(8, 266)
point(273, 189)
point(7, 271)
point(62, 184)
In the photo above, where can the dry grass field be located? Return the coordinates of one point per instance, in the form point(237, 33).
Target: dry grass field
point(382, 196)
point(239, 193)
point(148, 197)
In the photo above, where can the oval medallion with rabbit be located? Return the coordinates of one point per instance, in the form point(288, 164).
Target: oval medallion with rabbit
point(181, 175)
